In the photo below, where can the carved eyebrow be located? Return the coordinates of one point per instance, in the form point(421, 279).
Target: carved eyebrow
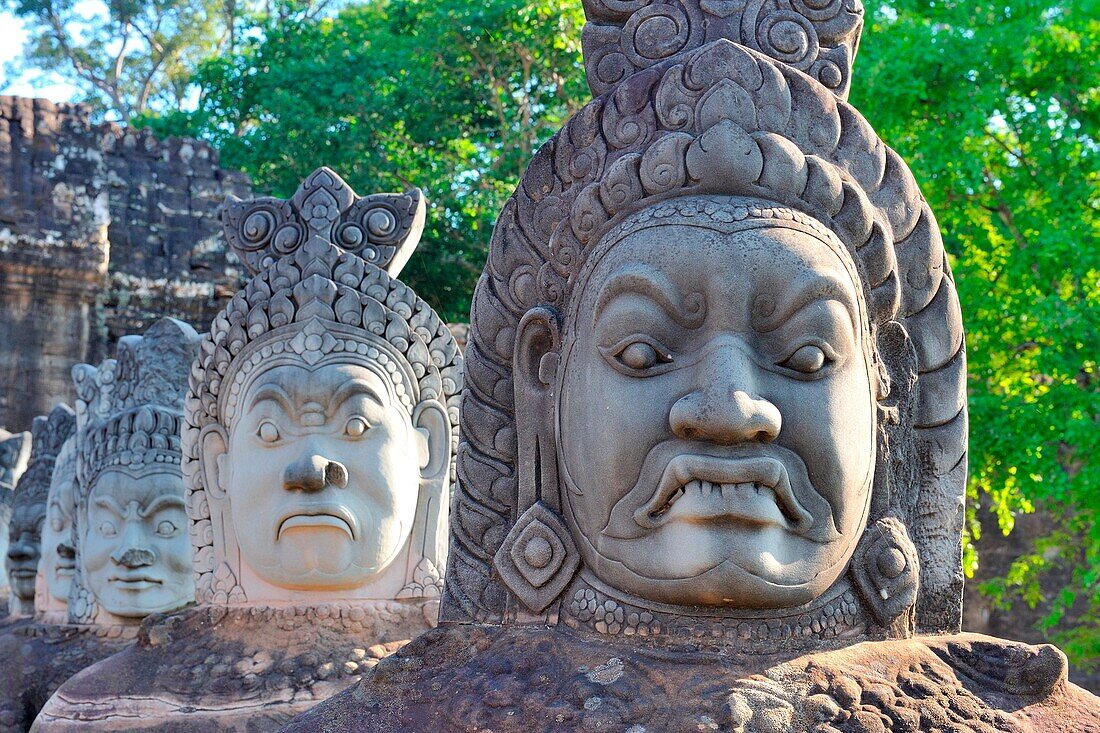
point(354, 387)
point(274, 393)
point(639, 279)
point(109, 504)
point(824, 287)
point(161, 502)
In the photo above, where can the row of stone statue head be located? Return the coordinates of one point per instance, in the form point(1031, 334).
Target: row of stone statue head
point(301, 451)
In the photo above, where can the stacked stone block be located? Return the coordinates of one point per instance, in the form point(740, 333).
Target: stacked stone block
point(103, 229)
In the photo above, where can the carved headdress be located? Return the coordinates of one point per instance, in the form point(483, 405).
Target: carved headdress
point(49, 435)
point(691, 109)
point(129, 411)
point(324, 287)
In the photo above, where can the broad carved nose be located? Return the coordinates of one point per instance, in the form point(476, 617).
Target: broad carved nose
point(66, 551)
point(134, 557)
point(313, 473)
point(21, 551)
point(725, 408)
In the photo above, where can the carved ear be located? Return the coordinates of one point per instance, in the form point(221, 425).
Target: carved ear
point(214, 454)
point(535, 366)
point(433, 430)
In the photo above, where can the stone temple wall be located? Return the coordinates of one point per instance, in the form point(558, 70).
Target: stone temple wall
point(102, 230)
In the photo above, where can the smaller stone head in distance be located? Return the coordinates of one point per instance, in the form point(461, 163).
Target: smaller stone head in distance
point(321, 405)
point(133, 548)
point(29, 509)
point(15, 450)
point(58, 549)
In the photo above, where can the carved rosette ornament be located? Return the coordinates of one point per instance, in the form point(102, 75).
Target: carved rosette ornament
point(817, 37)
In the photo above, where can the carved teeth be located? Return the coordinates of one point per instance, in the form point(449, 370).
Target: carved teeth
point(728, 492)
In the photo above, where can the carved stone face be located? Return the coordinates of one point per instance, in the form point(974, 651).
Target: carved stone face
point(136, 550)
point(321, 475)
point(24, 543)
point(716, 418)
point(58, 553)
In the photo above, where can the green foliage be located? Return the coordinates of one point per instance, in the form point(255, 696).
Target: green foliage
point(450, 96)
point(996, 107)
point(127, 57)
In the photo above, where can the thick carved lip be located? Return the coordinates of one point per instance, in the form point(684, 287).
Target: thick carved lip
point(64, 568)
point(728, 488)
point(22, 573)
point(320, 515)
point(135, 581)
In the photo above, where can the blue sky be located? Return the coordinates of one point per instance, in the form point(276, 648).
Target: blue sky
point(13, 35)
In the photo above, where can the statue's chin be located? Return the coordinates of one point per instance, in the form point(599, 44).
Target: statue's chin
point(726, 568)
point(323, 560)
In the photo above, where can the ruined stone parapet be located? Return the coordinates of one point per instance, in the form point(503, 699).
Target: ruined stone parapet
point(103, 229)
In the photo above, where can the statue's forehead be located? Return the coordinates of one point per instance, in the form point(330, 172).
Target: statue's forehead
point(760, 257)
point(323, 384)
point(123, 487)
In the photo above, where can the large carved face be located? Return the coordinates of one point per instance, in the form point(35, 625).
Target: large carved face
point(24, 543)
point(136, 549)
point(321, 475)
point(58, 553)
point(716, 417)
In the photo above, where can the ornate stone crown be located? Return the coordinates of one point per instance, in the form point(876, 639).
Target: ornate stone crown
point(49, 434)
point(815, 37)
point(721, 120)
point(130, 408)
point(325, 264)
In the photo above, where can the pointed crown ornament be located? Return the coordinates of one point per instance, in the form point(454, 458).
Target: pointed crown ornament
point(324, 289)
point(736, 137)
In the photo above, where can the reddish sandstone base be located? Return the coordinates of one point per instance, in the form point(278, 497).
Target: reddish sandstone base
point(36, 659)
point(538, 680)
point(214, 669)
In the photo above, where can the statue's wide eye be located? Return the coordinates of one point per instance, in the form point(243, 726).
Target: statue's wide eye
point(107, 529)
point(356, 427)
point(639, 354)
point(166, 528)
point(808, 359)
point(268, 432)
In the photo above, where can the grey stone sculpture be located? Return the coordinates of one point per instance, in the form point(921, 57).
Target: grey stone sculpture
point(29, 508)
point(15, 451)
point(713, 444)
point(319, 444)
point(115, 518)
point(58, 562)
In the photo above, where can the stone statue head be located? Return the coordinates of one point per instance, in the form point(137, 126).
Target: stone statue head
point(15, 451)
point(716, 372)
point(133, 551)
point(58, 549)
point(28, 516)
point(323, 408)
